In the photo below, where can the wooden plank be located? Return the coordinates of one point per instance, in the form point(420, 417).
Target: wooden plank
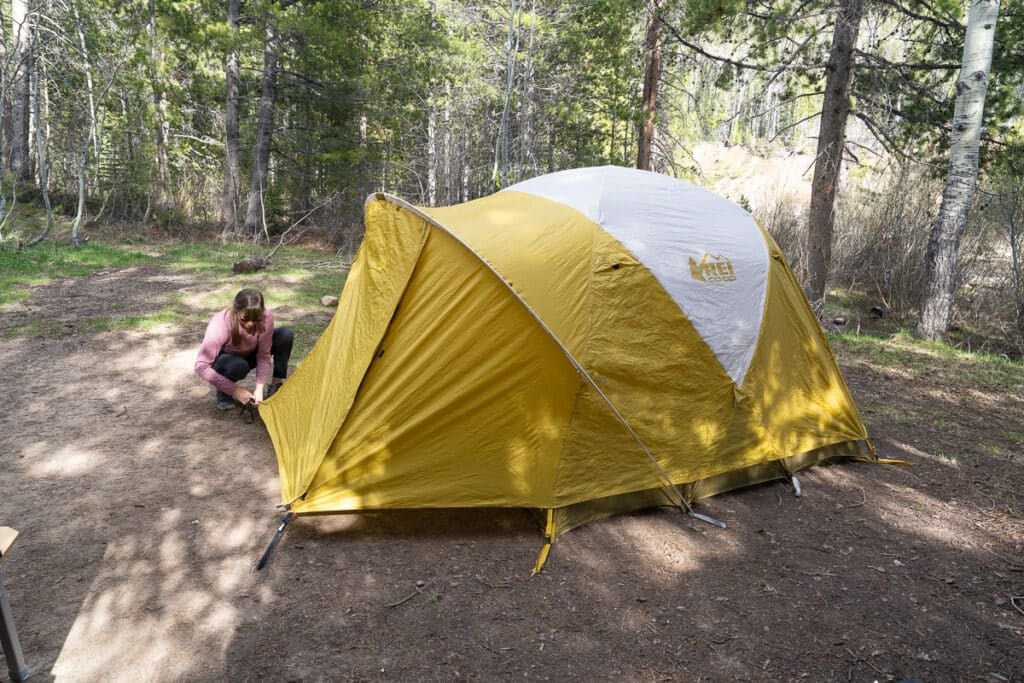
point(7, 538)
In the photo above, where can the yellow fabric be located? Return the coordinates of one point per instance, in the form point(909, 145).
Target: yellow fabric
point(449, 377)
point(797, 391)
point(541, 248)
point(466, 406)
point(653, 367)
point(549, 534)
point(305, 414)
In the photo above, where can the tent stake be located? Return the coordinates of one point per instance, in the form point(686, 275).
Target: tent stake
point(273, 542)
point(709, 520)
point(796, 485)
point(697, 515)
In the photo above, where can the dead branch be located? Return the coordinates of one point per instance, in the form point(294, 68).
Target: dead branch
point(251, 264)
point(863, 499)
point(419, 591)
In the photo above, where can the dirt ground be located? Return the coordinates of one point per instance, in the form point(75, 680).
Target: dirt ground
point(142, 510)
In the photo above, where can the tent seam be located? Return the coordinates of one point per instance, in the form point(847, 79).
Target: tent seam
point(565, 435)
point(585, 351)
point(568, 354)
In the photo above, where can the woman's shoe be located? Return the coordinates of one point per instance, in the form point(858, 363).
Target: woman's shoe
point(224, 401)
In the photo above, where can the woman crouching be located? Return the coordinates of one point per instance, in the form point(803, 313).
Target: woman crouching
point(238, 339)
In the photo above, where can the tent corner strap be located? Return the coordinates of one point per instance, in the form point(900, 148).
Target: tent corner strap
point(289, 516)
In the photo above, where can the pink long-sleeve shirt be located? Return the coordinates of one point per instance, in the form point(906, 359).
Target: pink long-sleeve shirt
point(218, 339)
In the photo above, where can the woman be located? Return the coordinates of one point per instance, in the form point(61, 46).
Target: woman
point(239, 339)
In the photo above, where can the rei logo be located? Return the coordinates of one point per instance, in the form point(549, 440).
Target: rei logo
point(712, 269)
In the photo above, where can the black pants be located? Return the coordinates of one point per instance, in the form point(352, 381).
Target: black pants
point(236, 368)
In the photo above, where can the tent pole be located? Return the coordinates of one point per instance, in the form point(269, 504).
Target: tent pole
point(568, 354)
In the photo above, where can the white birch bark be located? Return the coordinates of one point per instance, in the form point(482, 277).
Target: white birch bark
point(44, 176)
point(162, 127)
point(432, 154)
point(449, 182)
point(91, 135)
point(942, 258)
point(255, 213)
point(20, 157)
point(229, 197)
point(526, 160)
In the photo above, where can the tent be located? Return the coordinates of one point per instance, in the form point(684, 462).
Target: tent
point(581, 344)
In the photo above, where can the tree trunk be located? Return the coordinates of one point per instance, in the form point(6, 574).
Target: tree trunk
point(129, 132)
point(4, 152)
point(229, 199)
point(91, 135)
point(162, 127)
point(835, 111)
point(965, 138)
point(450, 193)
point(650, 98)
point(432, 154)
point(44, 179)
point(21, 157)
point(501, 174)
point(1015, 232)
point(526, 159)
point(254, 216)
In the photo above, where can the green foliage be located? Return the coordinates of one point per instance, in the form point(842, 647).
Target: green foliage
point(360, 80)
point(54, 260)
point(900, 90)
point(939, 362)
point(21, 272)
point(925, 71)
point(711, 16)
point(600, 111)
point(363, 85)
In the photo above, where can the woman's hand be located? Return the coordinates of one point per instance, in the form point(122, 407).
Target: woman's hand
point(243, 395)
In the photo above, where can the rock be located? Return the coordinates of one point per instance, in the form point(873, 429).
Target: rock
point(329, 301)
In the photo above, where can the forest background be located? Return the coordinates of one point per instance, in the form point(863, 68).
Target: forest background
point(845, 126)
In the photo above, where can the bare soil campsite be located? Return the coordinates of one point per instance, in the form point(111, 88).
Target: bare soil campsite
point(142, 510)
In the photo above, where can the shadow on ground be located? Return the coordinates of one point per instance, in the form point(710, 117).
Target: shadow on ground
point(142, 510)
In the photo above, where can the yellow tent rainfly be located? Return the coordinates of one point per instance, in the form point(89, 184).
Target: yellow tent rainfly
point(582, 344)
